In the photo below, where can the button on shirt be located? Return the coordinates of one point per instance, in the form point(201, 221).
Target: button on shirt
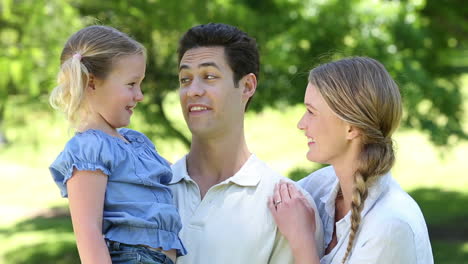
point(392, 228)
point(232, 224)
point(138, 206)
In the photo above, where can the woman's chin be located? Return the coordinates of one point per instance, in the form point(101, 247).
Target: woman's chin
point(313, 158)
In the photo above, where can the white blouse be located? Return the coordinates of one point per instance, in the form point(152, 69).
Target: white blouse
point(392, 228)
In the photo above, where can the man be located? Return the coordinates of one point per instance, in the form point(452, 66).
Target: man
point(220, 187)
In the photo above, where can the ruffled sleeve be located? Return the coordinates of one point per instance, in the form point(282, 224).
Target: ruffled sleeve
point(85, 151)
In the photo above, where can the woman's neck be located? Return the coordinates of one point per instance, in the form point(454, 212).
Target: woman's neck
point(345, 169)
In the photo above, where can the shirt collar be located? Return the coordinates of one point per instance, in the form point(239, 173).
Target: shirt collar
point(329, 198)
point(247, 175)
point(179, 171)
point(375, 191)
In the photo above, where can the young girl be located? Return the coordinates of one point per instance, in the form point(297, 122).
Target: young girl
point(353, 107)
point(121, 208)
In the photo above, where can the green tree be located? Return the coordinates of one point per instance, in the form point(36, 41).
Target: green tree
point(294, 35)
point(31, 38)
point(422, 43)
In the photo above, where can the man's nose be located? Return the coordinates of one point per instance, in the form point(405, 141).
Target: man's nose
point(195, 89)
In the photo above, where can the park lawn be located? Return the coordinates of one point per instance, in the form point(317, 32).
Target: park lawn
point(35, 226)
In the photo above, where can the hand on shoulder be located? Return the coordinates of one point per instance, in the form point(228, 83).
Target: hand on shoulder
point(292, 211)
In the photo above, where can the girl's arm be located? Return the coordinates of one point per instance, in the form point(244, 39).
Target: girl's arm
point(295, 219)
point(86, 191)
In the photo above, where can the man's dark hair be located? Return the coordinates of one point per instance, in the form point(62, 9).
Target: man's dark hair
point(240, 50)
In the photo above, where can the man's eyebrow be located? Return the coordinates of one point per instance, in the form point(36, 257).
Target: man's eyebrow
point(209, 64)
point(204, 64)
point(183, 67)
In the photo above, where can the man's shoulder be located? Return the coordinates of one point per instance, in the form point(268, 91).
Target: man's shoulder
point(267, 173)
point(268, 176)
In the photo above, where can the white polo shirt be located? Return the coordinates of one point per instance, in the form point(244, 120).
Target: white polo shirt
point(392, 228)
point(232, 224)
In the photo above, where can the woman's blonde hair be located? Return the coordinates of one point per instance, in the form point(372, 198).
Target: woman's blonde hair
point(90, 51)
point(362, 93)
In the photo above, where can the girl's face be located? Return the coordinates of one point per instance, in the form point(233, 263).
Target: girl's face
point(327, 134)
point(113, 99)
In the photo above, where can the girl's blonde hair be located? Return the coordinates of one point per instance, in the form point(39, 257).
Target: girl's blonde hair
point(91, 51)
point(361, 92)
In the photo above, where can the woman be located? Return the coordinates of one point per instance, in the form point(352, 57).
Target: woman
point(353, 108)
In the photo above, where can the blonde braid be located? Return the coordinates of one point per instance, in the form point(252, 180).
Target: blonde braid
point(357, 203)
point(376, 159)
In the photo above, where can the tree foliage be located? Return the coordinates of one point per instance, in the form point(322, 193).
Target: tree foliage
point(32, 34)
point(423, 44)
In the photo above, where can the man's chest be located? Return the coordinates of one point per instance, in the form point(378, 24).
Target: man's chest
point(239, 215)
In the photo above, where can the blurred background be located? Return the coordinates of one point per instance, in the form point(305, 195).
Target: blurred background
point(423, 44)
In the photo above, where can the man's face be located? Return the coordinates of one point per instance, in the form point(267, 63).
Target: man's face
point(211, 105)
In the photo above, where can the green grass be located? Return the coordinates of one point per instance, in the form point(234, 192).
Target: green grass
point(35, 227)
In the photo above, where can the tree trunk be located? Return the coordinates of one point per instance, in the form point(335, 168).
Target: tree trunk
point(168, 125)
point(3, 139)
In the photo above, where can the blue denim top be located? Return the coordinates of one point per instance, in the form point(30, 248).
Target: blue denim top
point(138, 206)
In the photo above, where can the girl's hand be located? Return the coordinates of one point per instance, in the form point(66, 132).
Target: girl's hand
point(293, 214)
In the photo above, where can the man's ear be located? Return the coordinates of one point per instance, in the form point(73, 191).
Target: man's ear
point(249, 85)
point(352, 132)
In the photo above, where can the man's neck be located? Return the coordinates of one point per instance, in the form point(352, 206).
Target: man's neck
point(212, 161)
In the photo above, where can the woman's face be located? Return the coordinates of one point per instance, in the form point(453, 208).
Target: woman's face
point(326, 133)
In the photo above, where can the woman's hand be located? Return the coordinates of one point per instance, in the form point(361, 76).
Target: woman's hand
point(291, 210)
point(295, 218)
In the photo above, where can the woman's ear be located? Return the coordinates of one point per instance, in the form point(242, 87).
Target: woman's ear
point(249, 85)
point(352, 132)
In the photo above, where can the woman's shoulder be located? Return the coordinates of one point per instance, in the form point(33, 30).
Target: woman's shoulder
point(319, 182)
point(397, 209)
point(397, 201)
point(395, 222)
